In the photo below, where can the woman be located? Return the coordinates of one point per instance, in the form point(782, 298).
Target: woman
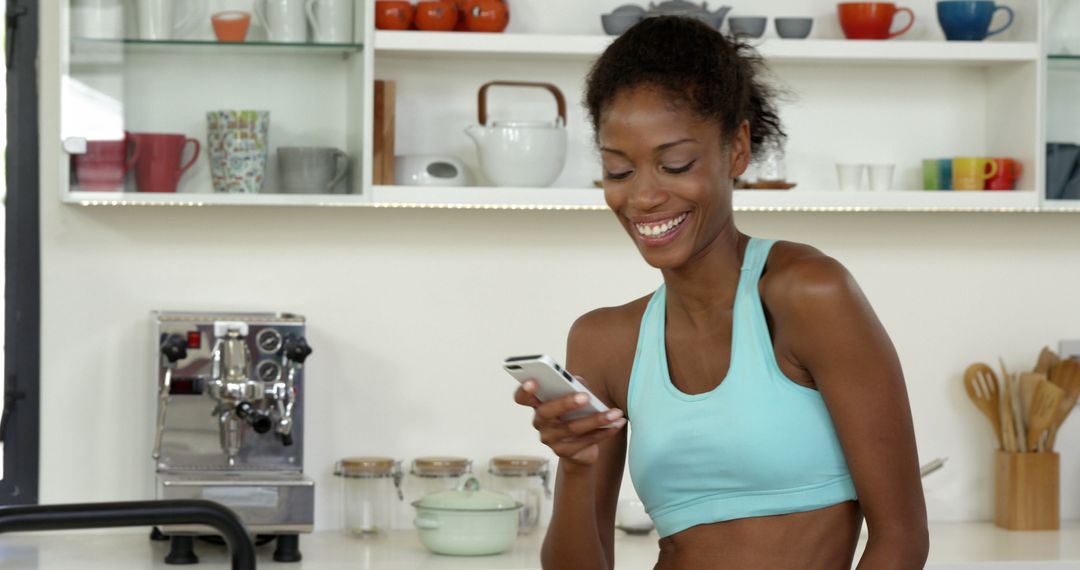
point(768, 406)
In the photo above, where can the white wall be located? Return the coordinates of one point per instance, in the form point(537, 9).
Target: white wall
point(410, 312)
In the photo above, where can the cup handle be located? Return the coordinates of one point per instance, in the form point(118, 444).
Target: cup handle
point(1018, 170)
point(993, 169)
point(1008, 11)
point(309, 8)
point(343, 169)
point(261, 17)
point(193, 158)
point(135, 146)
point(911, 21)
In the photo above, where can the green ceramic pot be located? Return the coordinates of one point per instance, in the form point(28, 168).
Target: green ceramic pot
point(467, 521)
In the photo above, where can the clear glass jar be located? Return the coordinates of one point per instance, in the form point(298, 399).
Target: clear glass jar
point(434, 474)
point(371, 485)
point(525, 478)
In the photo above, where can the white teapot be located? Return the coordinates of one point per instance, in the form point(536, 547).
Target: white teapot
point(521, 153)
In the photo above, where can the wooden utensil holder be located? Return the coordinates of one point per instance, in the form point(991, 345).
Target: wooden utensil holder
point(1026, 491)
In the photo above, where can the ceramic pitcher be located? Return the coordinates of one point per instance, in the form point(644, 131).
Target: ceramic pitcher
point(238, 145)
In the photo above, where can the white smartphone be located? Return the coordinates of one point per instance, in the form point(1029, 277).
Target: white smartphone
point(552, 381)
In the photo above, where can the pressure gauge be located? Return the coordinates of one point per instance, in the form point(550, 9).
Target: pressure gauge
point(269, 341)
point(269, 371)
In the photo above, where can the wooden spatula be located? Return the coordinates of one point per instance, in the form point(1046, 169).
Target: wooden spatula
point(1066, 375)
point(982, 387)
point(1029, 381)
point(1048, 359)
point(1012, 428)
point(1044, 409)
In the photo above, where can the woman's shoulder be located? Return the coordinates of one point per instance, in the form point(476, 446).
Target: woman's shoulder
point(601, 346)
point(601, 325)
point(797, 274)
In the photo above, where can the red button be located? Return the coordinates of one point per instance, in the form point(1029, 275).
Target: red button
point(194, 339)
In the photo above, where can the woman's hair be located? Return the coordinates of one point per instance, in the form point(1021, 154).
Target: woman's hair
point(718, 78)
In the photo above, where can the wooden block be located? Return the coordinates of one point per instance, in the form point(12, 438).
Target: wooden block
point(388, 127)
point(1027, 491)
point(377, 137)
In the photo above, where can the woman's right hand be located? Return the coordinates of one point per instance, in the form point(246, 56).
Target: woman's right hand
point(575, 441)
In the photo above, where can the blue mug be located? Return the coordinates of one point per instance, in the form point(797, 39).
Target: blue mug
point(969, 20)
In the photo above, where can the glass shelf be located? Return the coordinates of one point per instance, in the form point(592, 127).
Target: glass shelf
point(83, 45)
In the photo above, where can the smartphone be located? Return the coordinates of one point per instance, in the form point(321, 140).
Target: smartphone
point(552, 381)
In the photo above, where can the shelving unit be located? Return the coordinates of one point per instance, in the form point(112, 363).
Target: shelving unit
point(894, 101)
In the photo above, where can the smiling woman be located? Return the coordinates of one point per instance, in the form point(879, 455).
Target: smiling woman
point(768, 409)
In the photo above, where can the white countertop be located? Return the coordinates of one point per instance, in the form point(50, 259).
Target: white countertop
point(953, 546)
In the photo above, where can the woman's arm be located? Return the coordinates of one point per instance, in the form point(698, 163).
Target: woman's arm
point(591, 460)
point(838, 339)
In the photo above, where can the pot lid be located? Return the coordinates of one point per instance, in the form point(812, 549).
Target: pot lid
point(468, 496)
point(365, 467)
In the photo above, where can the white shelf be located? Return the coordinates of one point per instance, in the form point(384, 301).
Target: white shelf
point(745, 200)
point(548, 45)
point(208, 199)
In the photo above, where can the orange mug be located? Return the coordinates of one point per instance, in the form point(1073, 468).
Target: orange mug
point(1008, 172)
point(436, 15)
point(871, 20)
point(393, 15)
point(487, 16)
point(231, 26)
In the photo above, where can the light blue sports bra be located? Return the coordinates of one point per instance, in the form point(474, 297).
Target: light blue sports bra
point(758, 444)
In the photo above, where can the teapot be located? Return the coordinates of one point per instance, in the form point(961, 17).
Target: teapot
point(520, 153)
point(689, 10)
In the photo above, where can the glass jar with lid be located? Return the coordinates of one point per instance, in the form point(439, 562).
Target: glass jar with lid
point(525, 478)
point(371, 486)
point(433, 474)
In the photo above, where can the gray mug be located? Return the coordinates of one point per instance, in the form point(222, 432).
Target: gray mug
point(311, 170)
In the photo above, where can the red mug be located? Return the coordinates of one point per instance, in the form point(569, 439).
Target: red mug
point(1008, 172)
point(871, 20)
point(103, 166)
point(159, 166)
point(487, 16)
point(436, 16)
point(393, 14)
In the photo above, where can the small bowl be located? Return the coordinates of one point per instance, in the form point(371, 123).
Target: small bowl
point(747, 26)
point(617, 23)
point(793, 28)
point(231, 26)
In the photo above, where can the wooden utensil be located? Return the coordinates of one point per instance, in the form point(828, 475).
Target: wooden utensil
point(1066, 375)
point(1012, 428)
point(982, 388)
point(1048, 359)
point(1029, 381)
point(1044, 409)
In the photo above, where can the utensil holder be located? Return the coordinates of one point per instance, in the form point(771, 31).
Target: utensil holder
point(1026, 491)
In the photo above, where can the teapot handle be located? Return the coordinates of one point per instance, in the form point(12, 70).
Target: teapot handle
point(482, 97)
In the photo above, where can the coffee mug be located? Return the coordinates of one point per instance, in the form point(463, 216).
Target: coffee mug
point(970, 173)
point(231, 26)
point(103, 166)
point(969, 20)
point(159, 166)
point(331, 20)
point(1008, 172)
point(238, 144)
point(157, 22)
point(937, 174)
point(284, 20)
point(871, 20)
point(311, 170)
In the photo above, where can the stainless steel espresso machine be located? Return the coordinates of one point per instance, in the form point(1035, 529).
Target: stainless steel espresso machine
point(230, 424)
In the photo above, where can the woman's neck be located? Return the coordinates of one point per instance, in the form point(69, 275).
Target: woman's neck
point(705, 285)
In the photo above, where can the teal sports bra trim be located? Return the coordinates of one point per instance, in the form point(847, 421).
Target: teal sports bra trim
point(756, 445)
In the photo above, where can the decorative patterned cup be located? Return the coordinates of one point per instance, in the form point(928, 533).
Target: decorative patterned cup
point(238, 144)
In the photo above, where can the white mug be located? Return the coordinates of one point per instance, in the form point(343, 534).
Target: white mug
point(284, 20)
point(331, 20)
point(98, 19)
point(157, 19)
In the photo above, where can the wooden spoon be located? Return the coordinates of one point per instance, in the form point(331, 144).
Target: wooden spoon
point(1013, 428)
point(982, 388)
point(1029, 381)
point(1065, 375)
point(1044, 409)
point(1048, 359)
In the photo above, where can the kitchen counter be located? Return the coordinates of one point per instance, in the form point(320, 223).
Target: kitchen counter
point(953, 546)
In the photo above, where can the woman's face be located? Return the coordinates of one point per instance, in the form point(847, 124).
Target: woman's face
point(667, 174)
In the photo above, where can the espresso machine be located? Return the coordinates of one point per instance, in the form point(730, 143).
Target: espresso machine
point(230, 424)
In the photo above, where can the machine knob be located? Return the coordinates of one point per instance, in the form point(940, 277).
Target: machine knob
point(297, 348)
point(286, 439)
point(174, 347)
point(259, 421)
